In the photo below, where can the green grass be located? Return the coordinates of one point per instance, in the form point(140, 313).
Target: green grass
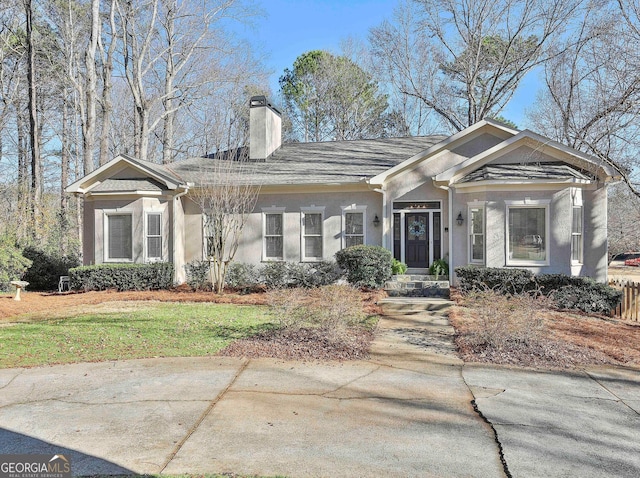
point(128, 330)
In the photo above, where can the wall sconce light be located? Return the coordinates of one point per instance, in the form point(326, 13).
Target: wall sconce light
point(459, 219)
point(376, 221)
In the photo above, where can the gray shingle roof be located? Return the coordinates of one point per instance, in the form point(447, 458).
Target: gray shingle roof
point(337, 162)
point(514, 172)
point(124, 185)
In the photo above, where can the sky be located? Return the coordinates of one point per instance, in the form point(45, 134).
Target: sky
point(289, 28)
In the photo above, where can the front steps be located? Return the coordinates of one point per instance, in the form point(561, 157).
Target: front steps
point(418, 285)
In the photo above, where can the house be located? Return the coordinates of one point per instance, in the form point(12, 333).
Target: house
point(489, 195)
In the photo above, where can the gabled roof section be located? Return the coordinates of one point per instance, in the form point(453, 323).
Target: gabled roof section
point(448, 143)
point(533, 140)
point(526, 172)
point(157, 174)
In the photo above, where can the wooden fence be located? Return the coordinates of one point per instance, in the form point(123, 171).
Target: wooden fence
point(629, 309)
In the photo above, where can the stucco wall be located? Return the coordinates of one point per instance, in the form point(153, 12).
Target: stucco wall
point(560, 214)
point(137, 206)
point(251, 247)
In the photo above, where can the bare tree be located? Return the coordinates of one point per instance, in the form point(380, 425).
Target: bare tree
point(226, 196)
point(592, 96)
point(464, 60)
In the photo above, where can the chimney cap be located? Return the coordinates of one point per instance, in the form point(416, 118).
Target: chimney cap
point(261, 100)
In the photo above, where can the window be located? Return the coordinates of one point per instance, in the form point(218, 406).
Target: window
point(119, 236)
point(273, 236)
point(312, 234)
point(476, 235)
point(576, 234)
point(353, 225)
point(154, 236)
point(527, 233)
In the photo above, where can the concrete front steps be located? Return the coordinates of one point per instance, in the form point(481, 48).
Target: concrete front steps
point(417, 285)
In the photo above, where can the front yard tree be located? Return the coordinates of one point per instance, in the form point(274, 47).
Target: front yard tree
point(330, 97)
point(226, 198)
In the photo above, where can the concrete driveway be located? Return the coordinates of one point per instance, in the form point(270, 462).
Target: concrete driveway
point(408, 411)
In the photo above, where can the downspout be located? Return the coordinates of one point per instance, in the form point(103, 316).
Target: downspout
point(176, 198)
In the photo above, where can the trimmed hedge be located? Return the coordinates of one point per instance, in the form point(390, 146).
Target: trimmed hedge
point(276, 275)
point(511, 281)
point(582, 293)
point(198, 275)
point(46, 269)
point(366, 266)
point(157, 275)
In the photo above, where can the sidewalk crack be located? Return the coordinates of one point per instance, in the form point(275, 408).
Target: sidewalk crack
point(496, 438)
point(618, 399)
point(204, 415)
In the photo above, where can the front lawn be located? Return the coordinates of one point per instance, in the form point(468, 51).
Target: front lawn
point(129, 330)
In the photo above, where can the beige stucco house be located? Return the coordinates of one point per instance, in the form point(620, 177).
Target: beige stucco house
point(489, 195)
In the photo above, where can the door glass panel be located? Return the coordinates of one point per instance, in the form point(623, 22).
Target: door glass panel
point(436, 234)
point(397, 235)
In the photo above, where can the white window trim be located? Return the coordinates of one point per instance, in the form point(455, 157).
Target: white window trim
point(533, 204)
point(116, 212)
point(576, 201)
point(265, 211)
point(146, 237)
point(470, 206)
point(311, 210)
point(354, 208)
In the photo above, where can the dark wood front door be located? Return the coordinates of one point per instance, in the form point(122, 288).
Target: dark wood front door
point(417, 239)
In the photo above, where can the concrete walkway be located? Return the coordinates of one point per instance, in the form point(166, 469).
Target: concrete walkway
point(406, 412)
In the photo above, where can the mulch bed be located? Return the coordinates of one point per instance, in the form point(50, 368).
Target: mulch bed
point(570, 339)
point(305, 344)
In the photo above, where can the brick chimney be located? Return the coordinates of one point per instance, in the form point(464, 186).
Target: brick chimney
point(265, 128)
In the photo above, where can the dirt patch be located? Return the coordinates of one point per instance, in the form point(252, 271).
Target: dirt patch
point(566, 340)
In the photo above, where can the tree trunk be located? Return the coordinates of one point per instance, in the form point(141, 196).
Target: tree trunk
point(64, 175)
point(107, 104)
point(36, 164)
point(89, 123)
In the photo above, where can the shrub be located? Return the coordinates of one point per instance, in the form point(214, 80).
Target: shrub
point(398, 268)
point(314, 274)
point(507, 324)
point(198, 275)
point(12, 263)
point(275, 275)
point(505, 280)
point(588, 295)
point(242, 276)
point(366, 266)
point(157, 275)
point(440, 267)
point(294, 274)
point(331, 308)
point(46, 269)
point(581, 293)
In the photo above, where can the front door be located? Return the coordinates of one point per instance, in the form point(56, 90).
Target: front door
point(416, 236)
